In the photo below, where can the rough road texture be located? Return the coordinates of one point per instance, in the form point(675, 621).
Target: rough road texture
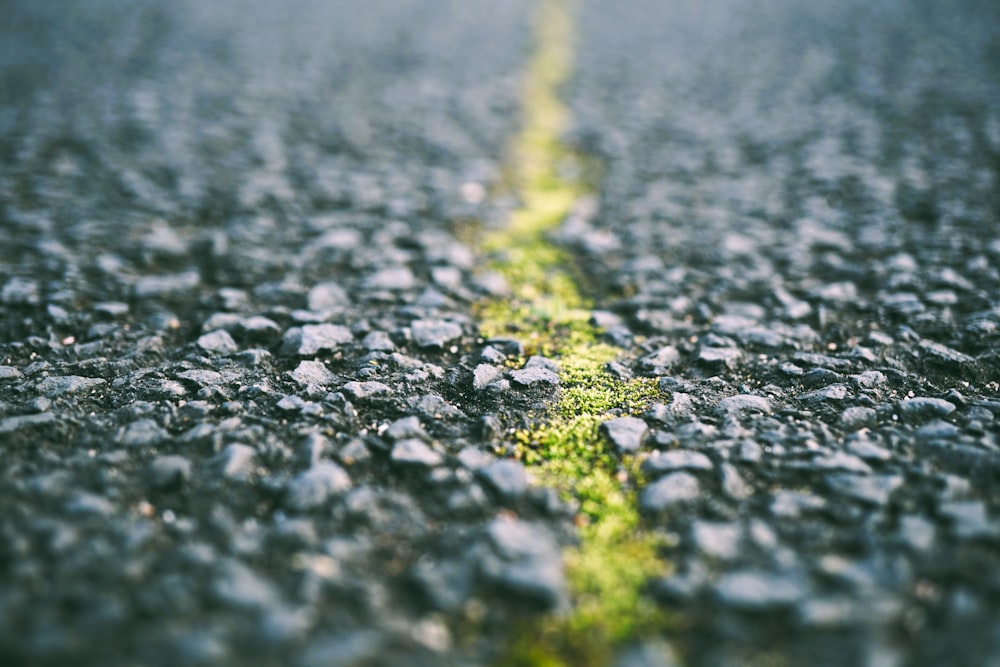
point(245, 416)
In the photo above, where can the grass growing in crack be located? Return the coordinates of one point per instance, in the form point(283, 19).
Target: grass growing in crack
point(615, 556)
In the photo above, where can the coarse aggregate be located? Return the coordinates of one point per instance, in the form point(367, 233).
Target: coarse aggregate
point(247, 413)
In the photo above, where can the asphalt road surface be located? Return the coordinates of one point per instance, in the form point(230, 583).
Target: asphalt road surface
point(249, 415)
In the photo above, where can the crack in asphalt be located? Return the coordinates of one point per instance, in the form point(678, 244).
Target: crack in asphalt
point(564, 446)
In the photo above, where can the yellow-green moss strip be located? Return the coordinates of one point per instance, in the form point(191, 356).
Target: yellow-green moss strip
point(615, 556)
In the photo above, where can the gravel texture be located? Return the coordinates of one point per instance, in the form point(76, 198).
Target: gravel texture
point(246, 415)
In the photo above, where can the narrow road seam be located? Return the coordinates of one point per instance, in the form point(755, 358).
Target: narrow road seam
point(563, 448)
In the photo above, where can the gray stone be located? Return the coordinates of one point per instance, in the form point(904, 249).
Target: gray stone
point(525, 562)
point(625, 433)
point(446, 585)
point(717, 540)
point(659, 462)
point(867, 448)
point(406, 427)
point(823, 360)
point(938, 429)
point(917, 532)
point(171, 283)
point(311, 339)
point(731, 325)
point(969, 520)
point(674, 489)
point(841, 461)
point(111, 309)
point(605, 319)
point(872, 490)
point(327, 296)
point(945, 353)
point(10, 373)
point(491, 355)
point(363, 390)
point(484, 375)
point(143, 433)
point(314, 487)
point(506, 477)
point(924, 407)
point(681, 405)
point(749, 452)
point(762, 337)
point(201, 376)
point(227, 321)
point(355, 451)
point(218, 342)
point(448, 277)
point(432, 406)
point(312, 372)
point(753, 590)
point(743, 403)
point(869, 379)
point(166, 472)
point(432, 299)
point(415, 452)
point(21, 292)
point(660, 361)
point(788, 504)
point(536, 361)
point(398, 278)
point(295, 403)
point(259, 329)
point(349, 649)
point(474, 458)
point(831, 613)
point(236, 585)
point(14, 424)
point(832, 394)
point(83, 503)
point(378, 341)
point(236, 461)
point(648, 653)
point(720, 357)
point(434, 334)
point(534, 377)
point(857, 417)
point(53, 387)
point(732, 483)
point(313, 449)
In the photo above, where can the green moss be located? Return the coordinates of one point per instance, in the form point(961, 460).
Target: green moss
point(616, 556)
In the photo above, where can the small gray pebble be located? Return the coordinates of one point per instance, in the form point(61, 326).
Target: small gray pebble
point(143, 433)
point(236, 461)
point(169, 471)
point(53, 387)
point(743, 403)
point(370, 389)
point(506, 477)
point(759, 591)
point(312, 488)
point(668, 491)
point(533, 377)
point(434, 334)
point(406, 427)
point(679, 459)
point(857, 417)
point(326, 296)
point(625, 433)
point(415, 452)
point(925, 407)
point(218, 342)
point(311, 372)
